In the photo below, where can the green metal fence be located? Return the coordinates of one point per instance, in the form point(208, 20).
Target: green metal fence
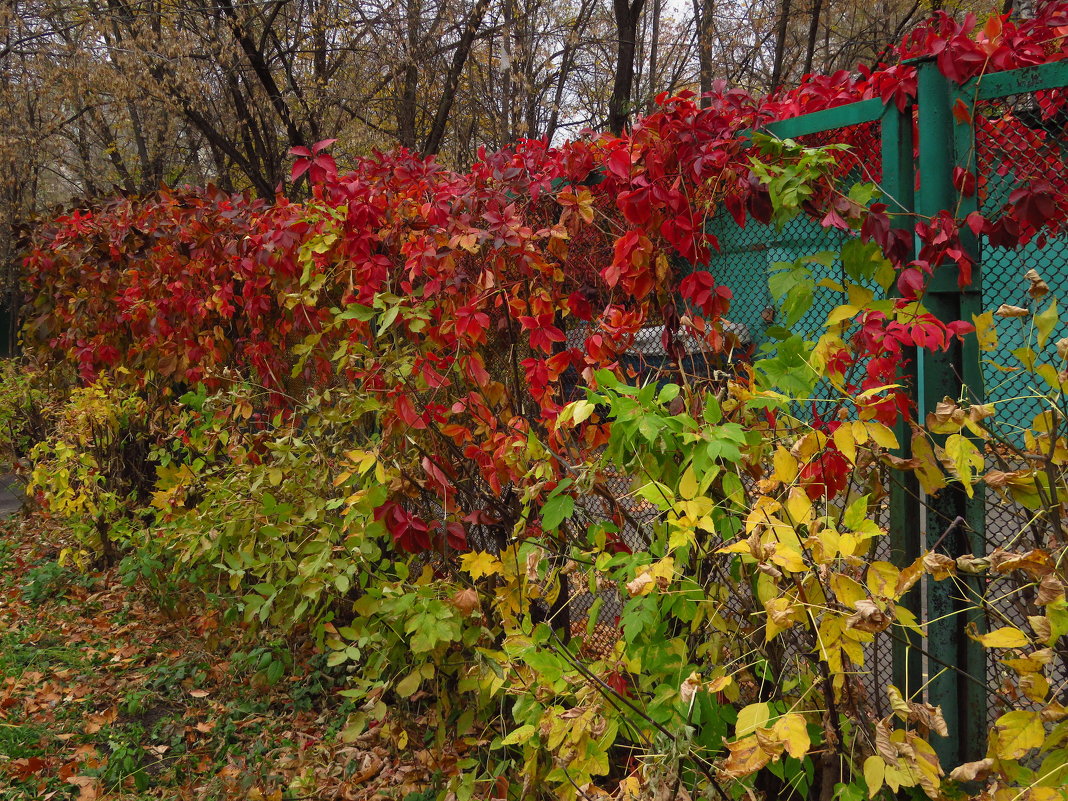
point(958, 126)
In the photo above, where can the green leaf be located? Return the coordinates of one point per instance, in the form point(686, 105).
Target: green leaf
point(1045, 322)
point(407, 686)
point(555, 510)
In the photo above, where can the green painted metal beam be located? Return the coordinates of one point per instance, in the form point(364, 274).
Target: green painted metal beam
point(950, 510)
point(898, 182)
point(828, 119)
point(1026, 79)
point(972, 655)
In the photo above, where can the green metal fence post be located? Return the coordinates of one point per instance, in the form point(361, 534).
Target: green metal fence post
point(898, 182)
point(973, 707)
point(950, 512)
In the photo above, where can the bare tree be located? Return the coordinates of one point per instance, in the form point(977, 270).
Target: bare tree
point(627, 14)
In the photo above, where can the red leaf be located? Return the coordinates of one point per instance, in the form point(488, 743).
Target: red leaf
point(619, 163)
point(961, 112)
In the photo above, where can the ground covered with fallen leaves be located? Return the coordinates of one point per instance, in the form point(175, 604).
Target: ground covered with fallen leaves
point(107, 693)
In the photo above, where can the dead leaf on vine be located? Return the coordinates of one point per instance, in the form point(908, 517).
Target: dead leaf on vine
point(688, 689)
point(746, 757)
point(929, 716)
point(1005, 310)
point(883, 746)
point(868, 617)
point(1038, 287)
point(1050, 589)
point(939, 565)
point(972, 771)
point(642, 584)
point(1036, 563)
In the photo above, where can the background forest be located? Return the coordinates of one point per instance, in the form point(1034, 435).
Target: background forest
point(106, 96)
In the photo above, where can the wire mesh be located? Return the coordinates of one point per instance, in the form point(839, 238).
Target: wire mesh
point(1021, 146)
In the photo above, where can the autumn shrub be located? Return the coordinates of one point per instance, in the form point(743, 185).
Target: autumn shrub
point(29, 395)
point(93, 470)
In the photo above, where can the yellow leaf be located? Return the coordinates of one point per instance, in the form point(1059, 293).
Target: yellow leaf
point(809, 445)
point(874, 770)
point(1045, 321)
point(845, 442)
point(882, 579)
point(1005, 637)
point(799, 507)
point(793, 733)
point(1017, 733)
point(846, 590)
point(719, 684)
point(881, 435)
point(480, 563)
point(841, 314)
point(751, 718)
point(583, 410)
point(785, 465)
point(897, 702)
point(688, 484)
point(788, 557)
point(966, 460)
point(928, 473)
point(985, 334)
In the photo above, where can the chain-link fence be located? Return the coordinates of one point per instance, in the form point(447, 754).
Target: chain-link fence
point(1021, 146)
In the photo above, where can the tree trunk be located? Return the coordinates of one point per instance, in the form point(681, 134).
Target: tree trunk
point(409, 83)
point(627, 14)
point(654, 44)
point(813, 32)
point(704, 18)
point(452, 80)
point(780, 44)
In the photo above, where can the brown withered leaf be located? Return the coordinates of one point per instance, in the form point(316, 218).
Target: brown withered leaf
point(939, 565)
point(868, 617)
point(1036, 563)
point(929, 716)
point(1054, 711)
point(972, 565)
point(1038, 287)
point(1041, 626)
point(465, 601)
point(746, 757)
point(1050, 589)
point(972, 771)
point(688, 689)
point(1001, 478)
point(883, 746)
point(908, 577)
point(88, 787)
point(1005, 310)
point(770, 742)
